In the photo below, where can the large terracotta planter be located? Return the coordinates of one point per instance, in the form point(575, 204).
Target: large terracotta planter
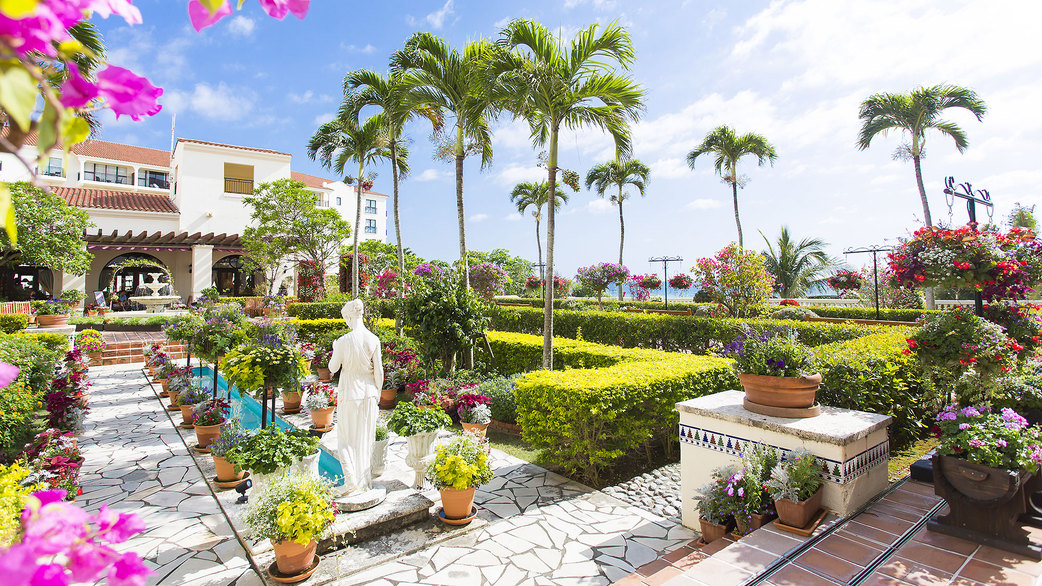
point(799, 514)
point(291, 400)
point(478, 429)
point(387, 398)
point(207, 433)
point(52, 321)
point(186, 415)
point(322, 418)
point(173, 397)
point(711, 531)
point(324, 375)
point(781, 391)
point(293, 558)
point(226, 471)
point(457, 503)
point(756, 521)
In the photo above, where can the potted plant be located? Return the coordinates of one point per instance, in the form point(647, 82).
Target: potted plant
point(476, 419)
point(269, 360)
point(981, 468)
point(271, 451)
point(273, 305)
point(293, 511)
point(796, 486)
point(756, 508)
point(772, 367)
point(457, 469)
point(231, 435)
point(380, 450)
point(90, 342)
point(419, 427)
point(54, 460)
point(323, 351)
point(291, 399)
point(715, 506)
point(321, 402)
point(208, 418)
point(187, 400)
point(51, 313)
point(91, 310)
point(400, 364)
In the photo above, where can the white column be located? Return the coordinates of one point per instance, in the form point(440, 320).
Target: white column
point(202, 268)
point(78, 282)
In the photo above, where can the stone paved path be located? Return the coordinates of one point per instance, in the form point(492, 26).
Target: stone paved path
point(135, 461)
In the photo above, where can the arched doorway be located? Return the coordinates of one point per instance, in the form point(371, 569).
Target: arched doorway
point(230, 278)
point(129, 279)
point(26, 282)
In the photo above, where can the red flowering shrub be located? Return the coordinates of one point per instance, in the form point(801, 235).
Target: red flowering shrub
point(845, 281)
point(54, 459)
point(681, 281)
point(310, 280)
point(789, 303)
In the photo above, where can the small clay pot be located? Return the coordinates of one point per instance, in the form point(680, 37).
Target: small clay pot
point(322, 418)
point(478, 429)
point(226, 471)
point(186, 415)
point(205, 434)
point(293, 558)
point(324, 375)
point(291, 400)
point(457, 503)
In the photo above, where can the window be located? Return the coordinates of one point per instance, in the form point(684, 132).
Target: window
point(370, 206)
point(105, 173)
point(339, 202)
point(370, 226)
point(54, 168)
point(238, 179)
point(157, 179)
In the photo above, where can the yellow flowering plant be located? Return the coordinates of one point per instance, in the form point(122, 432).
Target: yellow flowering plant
point(461, 463)
point(294, 507)
point(12, 500)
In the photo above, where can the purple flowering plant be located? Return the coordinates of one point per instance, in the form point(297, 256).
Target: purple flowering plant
point(1001, 439)
point(428, 271)
point(775, 352)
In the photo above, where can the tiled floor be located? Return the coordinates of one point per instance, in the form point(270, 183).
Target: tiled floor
point(842, 557)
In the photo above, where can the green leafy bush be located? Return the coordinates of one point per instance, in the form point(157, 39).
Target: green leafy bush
point(11, 323)
point(379, 308)
point(270, 449)
point(793, 313)
point(501, 390)
point(18, 407)
point(36, 355)
point(408, 419)
point(909, 315)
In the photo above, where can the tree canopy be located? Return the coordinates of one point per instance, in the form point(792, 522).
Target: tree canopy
point(50, 232)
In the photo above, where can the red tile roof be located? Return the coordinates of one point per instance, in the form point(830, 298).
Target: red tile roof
point(232, 146)
point(116, 200)
point(310, 180)
point(104, 149)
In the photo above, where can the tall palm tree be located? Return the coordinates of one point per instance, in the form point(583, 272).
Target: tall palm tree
point(530, 194)
point(796, 266)
point(727, 148)
point(619, 174)
point(551, 82)
point(343, 140)
point(399, 102)
point(453, 81)
point(915, 113)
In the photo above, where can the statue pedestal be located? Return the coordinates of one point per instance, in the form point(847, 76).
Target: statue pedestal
point(715, 430)
point(361, 501)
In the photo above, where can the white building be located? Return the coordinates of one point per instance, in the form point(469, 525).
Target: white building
point(184, 210)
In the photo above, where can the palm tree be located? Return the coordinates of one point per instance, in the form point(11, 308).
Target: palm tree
point(550, 83)
point(399, 102)
point(728, 148)
point(535, 195)
point(619, 173)
point(453, 81)
point(915, 113)
point(796, 266)
point(343, 140)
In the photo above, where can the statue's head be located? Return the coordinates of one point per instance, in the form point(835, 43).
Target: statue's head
point(352, 310)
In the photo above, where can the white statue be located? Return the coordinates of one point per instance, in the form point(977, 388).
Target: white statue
point(357, 355)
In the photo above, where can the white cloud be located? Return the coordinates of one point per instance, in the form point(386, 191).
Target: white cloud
point(215, 103)
point(323, 118)
point(367, 48)
point(241, 26)
point(435, 19)
point(478, 218)
point(703, 204)
point(514, 217)
point(301, 98)
point(514, 174)
point(597, 4)
point(429, 175)
point(599, 206)
point(502, 22)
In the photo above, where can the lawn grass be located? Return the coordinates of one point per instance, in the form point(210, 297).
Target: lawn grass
point(507, 442)
point(901, 461)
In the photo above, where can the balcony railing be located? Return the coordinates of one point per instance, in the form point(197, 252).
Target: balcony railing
point(240, 186)
point(105, 178)
point(53, 172)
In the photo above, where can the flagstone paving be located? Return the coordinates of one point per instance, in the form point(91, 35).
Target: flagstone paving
point(540, 528)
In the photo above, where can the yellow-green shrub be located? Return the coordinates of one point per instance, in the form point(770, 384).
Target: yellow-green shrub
point(12, 501)
point(18, 406)
point(13, 322)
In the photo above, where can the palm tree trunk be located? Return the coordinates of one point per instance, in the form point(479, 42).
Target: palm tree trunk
point(548, 305)
point(398, 237)
point(461, 216)
point(358, 228)
point(734, 197)
point(930, 294)
point(538, 241)
point(622, 238)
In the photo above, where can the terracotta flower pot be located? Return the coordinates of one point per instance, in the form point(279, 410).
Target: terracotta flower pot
point(756, 520)
point(165, 383)
point(173, 397)
point(52, 321)
point(291, 400)
point(205, 434)
point(322, 418)
point(186, 415)
point(293, 558)
point(478, 429)
point(226, 471)
point(781, 391)
point(324, 375)
point(711, 531)
point(799, 514)
point(387, 398)
point(457, 503)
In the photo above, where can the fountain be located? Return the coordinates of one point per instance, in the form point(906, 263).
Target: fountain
point(155, 303)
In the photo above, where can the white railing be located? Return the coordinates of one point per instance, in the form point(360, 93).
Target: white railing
point(819, 302)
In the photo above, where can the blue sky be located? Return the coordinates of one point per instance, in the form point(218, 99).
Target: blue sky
point(793, 71)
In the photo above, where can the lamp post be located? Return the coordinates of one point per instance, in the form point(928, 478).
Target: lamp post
point(665, 260)
point(542, 277)
point(875, 250)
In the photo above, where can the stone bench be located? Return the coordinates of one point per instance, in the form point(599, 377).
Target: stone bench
point(715, 430)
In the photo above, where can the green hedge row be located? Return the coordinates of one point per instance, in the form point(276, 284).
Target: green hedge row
point(311, 330)
point(662, 332)
point(607, 401)
point(11, 323)
point(331, 309)
point(869, 313)
point(36, 355)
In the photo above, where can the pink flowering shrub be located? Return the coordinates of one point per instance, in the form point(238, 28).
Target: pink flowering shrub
point(735, 278)
point(488, 280)
point(599, 276)
point(62, 543)
point(1000, 440)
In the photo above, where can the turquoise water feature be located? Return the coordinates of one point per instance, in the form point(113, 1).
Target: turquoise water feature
point(248, 411)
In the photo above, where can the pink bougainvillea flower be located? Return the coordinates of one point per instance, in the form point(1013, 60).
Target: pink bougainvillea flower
point(49, 575)
point(18, 564)
point(128, 571)
point(128, 93)
point(8, 372)
point(87, 561)
point(279, 8)
point(118, 527)
point(201, 17)
point(123, 8)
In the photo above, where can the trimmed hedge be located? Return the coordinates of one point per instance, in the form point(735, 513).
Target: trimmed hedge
point(331, 309)
point(36, 355)
point(607, 402)
point(869, 312)
point(310, 330)
point(662, 332)
point(872, 374)
point(11, 323)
